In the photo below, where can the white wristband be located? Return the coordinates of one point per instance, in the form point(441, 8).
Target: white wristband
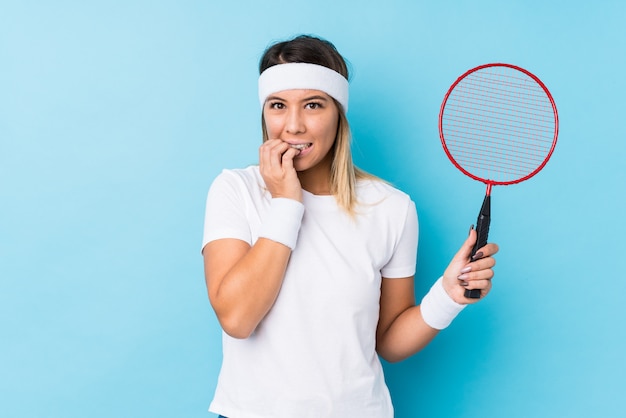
point(282, 221)
point(438, 309)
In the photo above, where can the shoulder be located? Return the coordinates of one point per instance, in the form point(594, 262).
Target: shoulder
point(371, 191)
point(248, 174)
point(248, 178)
point(237, 184)
point(381, 200)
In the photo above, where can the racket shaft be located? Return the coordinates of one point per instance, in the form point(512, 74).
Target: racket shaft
point(482, 232)
point(482, 225)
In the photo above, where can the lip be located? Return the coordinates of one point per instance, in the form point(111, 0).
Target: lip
point(304, 151)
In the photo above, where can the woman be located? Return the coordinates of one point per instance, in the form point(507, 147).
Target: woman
point(309, 262)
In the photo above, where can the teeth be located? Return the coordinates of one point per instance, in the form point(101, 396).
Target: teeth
point(300, 146)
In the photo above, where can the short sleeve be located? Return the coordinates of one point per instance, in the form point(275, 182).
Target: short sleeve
point(404, 258)
point(225, 214)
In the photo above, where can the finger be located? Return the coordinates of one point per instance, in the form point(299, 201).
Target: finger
point(486, 251)
point(287, 158)
point(480, 264)
point(265, 152)
point(474, 276)
point(269, 144)
point(492, 249)
point(272, 152)
point(276, 151)
point(484, 288)
point(473, 269)
point(483, 285)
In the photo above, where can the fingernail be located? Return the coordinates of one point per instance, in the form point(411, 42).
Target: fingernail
point(463, 277)
point(477, 255)
point(464, 284)
point(470, 230)
point(466, 269)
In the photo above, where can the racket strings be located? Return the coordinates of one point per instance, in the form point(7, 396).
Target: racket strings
point(538, 116)
point(485, 128)
point(505, 157)
point(527, 102)
point(498, 125)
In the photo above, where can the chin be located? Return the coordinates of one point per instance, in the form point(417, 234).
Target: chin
point(300, 167)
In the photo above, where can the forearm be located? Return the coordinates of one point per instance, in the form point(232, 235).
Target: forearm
point(247, 292)
point(411, 328)
point(406, 335)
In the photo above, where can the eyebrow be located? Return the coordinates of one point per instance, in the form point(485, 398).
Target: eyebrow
point(306, 99)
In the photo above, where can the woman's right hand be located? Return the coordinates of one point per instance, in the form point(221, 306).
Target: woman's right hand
point(243, 281)
point(276, 167)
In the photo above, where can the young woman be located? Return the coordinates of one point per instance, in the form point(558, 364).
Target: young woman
point(309, 261)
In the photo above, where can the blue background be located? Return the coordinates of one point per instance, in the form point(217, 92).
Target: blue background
point(115, 116)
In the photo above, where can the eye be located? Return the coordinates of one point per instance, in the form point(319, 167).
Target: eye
point(276, 105)
point(314, 105)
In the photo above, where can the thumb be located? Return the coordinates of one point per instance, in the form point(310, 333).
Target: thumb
point(458, 262)
point(465, 251)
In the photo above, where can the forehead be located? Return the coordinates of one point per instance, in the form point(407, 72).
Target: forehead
point(299, 94)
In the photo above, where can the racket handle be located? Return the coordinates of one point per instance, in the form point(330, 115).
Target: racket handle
point(482, 232)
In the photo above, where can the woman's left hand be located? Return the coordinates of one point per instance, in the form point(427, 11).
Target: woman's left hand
point(465, 273)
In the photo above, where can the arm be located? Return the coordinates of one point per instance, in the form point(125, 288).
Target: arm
point(402, 330)
point(243, 281)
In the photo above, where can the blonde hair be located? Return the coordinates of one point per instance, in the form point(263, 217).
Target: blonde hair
point(344, 175)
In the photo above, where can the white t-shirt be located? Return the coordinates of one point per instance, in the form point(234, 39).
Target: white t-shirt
point(314, 354)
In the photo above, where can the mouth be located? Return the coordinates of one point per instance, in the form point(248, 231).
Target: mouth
point(300, 147)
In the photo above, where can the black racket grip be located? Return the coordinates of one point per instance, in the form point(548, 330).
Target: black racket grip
point(482, 232)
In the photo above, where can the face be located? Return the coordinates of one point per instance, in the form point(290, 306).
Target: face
point(307, 119)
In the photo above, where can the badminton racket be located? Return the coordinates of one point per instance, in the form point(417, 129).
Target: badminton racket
point(498, 124)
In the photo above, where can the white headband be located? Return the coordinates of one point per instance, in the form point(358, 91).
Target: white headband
point(301, 75)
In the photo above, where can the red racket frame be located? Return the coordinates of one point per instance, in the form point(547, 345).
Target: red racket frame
point(490, 182)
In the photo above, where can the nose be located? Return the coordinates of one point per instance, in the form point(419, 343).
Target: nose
point(294, 123)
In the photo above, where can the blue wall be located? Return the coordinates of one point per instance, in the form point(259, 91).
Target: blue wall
point(115, 116)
